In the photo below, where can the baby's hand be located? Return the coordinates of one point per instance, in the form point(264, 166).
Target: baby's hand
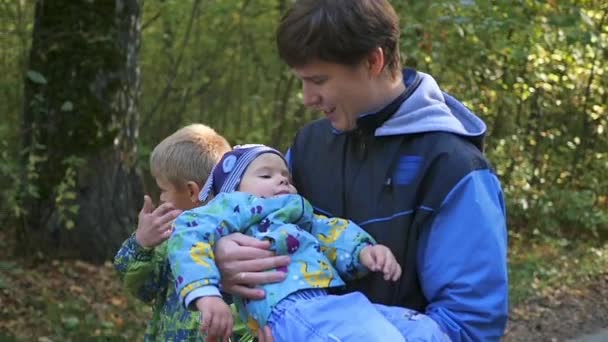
point(216, 318)
point(379, 258)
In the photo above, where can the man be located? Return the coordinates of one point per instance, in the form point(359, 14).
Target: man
point(400, 158)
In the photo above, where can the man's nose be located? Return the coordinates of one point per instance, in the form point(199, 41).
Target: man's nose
point(310, 97)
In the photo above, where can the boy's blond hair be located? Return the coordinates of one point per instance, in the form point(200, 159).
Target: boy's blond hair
point(189, 154)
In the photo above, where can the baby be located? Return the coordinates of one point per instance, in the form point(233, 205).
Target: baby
point(253, 195)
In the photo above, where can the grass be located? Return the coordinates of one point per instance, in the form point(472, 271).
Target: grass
point(542, 265)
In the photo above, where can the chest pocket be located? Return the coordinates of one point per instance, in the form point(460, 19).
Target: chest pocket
point(406, 169)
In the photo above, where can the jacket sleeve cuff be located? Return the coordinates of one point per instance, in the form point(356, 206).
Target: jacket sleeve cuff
point(205, 291)
point(139, 252)
point(361, 269)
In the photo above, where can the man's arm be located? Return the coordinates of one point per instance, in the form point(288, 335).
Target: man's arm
point(462, 261)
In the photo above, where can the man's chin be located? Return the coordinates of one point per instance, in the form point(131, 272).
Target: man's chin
point(342, 127)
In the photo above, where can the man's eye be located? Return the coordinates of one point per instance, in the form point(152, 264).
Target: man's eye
point(265, 176)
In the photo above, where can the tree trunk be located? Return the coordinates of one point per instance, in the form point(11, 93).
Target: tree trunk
point(80, 188)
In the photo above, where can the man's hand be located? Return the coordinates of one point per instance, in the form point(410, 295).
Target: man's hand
point(244, 261)
point(379, 258)
point(216, 318)
point(154, 225)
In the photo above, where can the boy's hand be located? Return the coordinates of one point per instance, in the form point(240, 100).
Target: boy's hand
point(379, 258)
point(154, 224)
point(216, 318)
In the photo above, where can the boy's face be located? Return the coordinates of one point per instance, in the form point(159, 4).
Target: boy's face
point(267, 176)
point(341, 92)
point(182, 197)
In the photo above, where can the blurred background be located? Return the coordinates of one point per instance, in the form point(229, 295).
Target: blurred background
point(88, 88)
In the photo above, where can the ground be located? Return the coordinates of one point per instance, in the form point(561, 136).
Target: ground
point(51, 300)
point(563, 314)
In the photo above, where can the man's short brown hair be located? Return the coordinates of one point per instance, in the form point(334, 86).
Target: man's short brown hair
point(339, 31)
point(189, 154)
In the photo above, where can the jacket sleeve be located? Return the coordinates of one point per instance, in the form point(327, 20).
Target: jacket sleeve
point(462, 261)
point(142, 271)
point(190, 248)
point(342, 241)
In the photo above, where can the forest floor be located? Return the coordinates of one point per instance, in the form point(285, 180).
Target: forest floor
point(557, 294)
point(562, 314)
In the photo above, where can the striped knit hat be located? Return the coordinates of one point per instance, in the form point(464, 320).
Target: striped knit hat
point(227, 173)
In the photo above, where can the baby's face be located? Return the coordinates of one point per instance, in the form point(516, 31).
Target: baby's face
point(267, 176)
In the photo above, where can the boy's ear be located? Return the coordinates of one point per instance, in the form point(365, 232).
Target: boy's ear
point(193, 190)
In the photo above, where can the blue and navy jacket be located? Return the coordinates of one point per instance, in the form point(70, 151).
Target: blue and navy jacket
point(414, 176)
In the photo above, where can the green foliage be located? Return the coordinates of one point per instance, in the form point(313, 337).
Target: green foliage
point(537, 269)
point(66, 192)
point(534, 70)
point(20, 178)
point(240, 328)
point(10, 205)
point(36, 77)
point(535, 73)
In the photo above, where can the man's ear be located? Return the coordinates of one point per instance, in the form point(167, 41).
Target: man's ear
point(375, 61)
point(193, 190)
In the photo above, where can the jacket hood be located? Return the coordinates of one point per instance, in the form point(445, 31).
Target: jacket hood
point(429, 109)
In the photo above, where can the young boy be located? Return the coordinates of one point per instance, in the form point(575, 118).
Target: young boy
point(180, 165)
point(253, 195)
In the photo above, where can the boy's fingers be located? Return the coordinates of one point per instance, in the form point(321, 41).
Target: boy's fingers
point(221, 327)
point(389, 265)
point(163, 209)
point(204, 319)
point(169, 216)
point(265, 335)
point(212, 328)
point(380, 261)
point(148, 206)
point(397, 273)
point(166, 234)
point(225, 334)
point(228, 327)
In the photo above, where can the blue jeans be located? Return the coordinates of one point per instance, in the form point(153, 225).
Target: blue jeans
point(315, 316)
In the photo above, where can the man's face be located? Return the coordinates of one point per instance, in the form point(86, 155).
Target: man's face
point(340, 92)
point(180, 197)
